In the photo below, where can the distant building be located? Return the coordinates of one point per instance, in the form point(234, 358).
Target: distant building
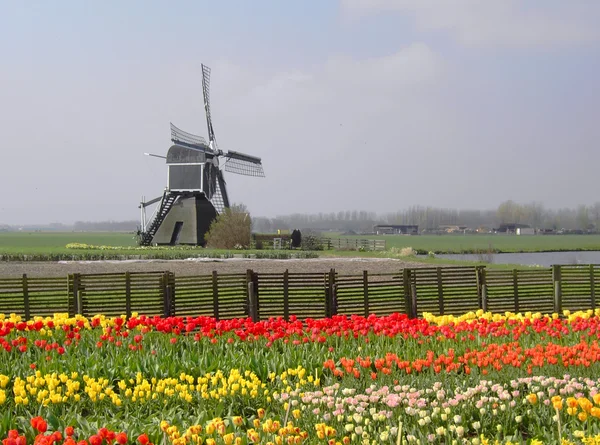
point(452, 228)
point(511, 227)
point(396, 229)
point(525, 231)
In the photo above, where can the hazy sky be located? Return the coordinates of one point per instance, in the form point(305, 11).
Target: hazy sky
point(352, 104)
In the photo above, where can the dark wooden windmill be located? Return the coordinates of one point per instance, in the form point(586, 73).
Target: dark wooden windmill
point(196, 190)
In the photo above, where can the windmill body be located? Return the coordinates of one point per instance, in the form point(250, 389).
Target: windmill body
point(196, 190)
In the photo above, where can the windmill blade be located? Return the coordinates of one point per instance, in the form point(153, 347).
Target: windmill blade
point(243, 164)
point(180, 136)
point(206, 93)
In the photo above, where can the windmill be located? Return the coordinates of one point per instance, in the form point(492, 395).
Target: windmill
point(196, 190)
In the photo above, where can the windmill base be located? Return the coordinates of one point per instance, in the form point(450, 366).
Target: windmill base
point(187, 222)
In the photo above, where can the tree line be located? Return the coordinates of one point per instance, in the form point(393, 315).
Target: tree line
point(534, 214)
point(431, 218)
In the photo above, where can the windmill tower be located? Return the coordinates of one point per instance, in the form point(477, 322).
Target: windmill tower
point(196, 190)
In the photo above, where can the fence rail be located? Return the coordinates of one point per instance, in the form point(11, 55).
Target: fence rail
point(284, 242)
point(438, 290)
point(353, 243)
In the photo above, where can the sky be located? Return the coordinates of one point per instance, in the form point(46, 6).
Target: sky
point(372, 105)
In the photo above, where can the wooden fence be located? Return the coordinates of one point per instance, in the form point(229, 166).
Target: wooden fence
point(353, 243)
point(438, 290)
point(326, 243)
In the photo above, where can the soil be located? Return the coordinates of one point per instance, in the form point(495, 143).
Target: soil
point(205, 266)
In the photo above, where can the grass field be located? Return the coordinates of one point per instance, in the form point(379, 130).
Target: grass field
point(35, 242)
point(498, 243)
point(51, 246)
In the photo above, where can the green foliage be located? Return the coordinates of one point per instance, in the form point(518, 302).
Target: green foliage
point(231, 229)
point(311, 241)
point(282, 255)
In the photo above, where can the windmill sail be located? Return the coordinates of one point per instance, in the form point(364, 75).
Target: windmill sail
point(243, 164)
point(206, 93)
point(180, 136)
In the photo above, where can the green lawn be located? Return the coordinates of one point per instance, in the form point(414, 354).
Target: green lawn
point(499, 243)
point(55, 242)
point(51, 246)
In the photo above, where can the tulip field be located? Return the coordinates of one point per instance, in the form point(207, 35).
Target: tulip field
point(480, 378)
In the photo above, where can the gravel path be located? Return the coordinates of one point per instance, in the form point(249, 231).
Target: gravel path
point(205, 266)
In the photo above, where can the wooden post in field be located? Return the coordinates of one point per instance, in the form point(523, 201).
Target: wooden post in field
point(215, 286)
point(516, 289)
point(366, 292)
point(557, 279)
point(286, 295)
point(592, 287)
point(26, 297)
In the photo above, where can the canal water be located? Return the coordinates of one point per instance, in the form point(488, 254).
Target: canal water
point(543, 259)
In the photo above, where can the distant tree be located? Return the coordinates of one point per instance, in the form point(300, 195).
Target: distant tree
point(595, 215)
point(508, 212)
point(230, 229)
point(583, 217)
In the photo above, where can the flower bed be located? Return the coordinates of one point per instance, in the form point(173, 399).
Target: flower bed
point(480, 378)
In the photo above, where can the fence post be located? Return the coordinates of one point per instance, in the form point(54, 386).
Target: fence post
point(286, 295)
point(366, 292)
point(77, 303)
point(481, 276)
point(440, 290)
point(516, 289)
point(406, 288)
point(413, 293)
point(592, 287)
point(166, 287)
point(557, 279)
point(172, 294)
point(215, 285)
point(256, 293)
point(252, 296)
point(332, 293)
point(26, 297)
point(128, 294)
point(250, 290)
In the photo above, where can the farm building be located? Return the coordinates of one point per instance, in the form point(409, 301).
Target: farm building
point(525, 231)
point(512, 228)
point(396, 229)
point(452, 228)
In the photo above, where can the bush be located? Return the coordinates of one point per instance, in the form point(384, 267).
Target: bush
point(311, 241)
point(230, 229)
point(403, 252)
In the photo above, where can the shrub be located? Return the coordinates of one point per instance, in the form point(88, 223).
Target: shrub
point(311, 241)
point(404, 252)
point(230, 229)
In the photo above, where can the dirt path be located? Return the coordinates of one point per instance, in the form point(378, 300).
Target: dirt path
point(204, 266)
